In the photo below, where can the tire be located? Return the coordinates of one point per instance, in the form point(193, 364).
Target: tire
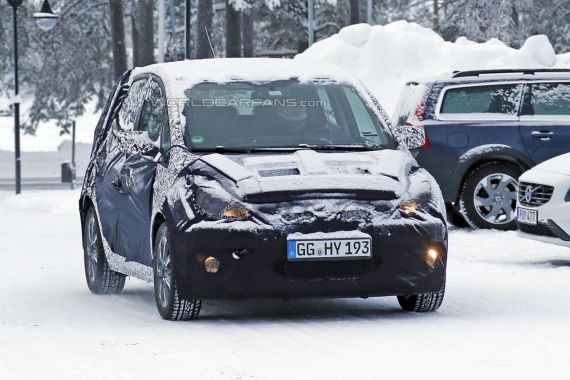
point(170, 306)
point(489, 194)
point(454, 215)
point(100, 278)
point(422, 303)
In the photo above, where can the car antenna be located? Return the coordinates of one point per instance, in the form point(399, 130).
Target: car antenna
point(210, 42)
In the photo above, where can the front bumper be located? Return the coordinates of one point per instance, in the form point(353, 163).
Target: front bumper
point(397, 265)
point(553, 217)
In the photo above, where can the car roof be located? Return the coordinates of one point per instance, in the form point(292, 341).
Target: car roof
point(496, 75)
point(181, 75)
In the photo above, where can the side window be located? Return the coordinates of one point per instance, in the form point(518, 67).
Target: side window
point(492, 99)
point(547, 99)
point(131, 107)
point(153, 116)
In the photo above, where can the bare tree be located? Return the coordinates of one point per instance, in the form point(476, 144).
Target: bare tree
point(247, 32)
point(204, 24)
point(145, 32)
point(118, 37)
point(233, 31)
point(354, 11)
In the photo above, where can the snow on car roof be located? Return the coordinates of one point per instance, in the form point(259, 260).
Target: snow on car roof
point(181, 75)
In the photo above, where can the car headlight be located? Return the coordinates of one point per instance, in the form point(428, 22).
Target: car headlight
point(236, 211)
point(409, 206)
point(216, 204)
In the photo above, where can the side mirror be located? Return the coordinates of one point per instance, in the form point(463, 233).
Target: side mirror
point(161, 158)
point(410, 136)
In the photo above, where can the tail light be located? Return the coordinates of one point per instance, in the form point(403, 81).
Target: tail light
point(420, 109)
point(426, 141)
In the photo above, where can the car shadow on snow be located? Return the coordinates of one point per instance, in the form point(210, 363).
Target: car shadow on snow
point(279, 309)
point(554, 263)
point(316, 309)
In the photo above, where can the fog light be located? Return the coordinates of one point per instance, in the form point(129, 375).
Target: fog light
point(211, 264)
point(431, 257)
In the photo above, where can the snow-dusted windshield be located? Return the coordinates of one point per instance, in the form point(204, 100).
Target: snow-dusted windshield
point(277, 115)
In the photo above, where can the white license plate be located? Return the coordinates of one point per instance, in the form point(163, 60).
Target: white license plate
point(527, 216)
point(328, 249)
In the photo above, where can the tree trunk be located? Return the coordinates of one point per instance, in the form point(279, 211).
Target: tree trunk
point(145, 32)
point(354, 11)
point(118, 37)
point(204, 23)
point(233, 31)
point(435, 20)
point(135, 41)
point(247, 32)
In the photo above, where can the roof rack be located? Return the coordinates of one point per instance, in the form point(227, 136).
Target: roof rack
point(474, 73)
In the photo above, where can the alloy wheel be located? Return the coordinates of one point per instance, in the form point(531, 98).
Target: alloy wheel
point(163, 272)
point(92, 249)
point(495, 198)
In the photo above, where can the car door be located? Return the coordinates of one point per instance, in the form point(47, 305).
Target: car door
point(545, 119)
point(109, 163)
point(125, 193)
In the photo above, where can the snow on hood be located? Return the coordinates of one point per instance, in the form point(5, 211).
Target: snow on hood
point(558, 165)
point(307, 170)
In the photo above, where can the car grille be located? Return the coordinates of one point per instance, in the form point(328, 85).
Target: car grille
point(342, 269)
point(532, 194)
point(540, 229)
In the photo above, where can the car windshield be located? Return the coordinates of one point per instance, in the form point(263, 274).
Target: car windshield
point(280, 114)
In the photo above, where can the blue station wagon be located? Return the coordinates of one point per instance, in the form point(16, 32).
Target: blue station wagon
point(483, 129)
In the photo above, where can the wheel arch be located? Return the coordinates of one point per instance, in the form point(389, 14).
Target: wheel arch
point(481, 155)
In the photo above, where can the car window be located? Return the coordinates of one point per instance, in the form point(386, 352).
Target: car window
point(548, 99)
point(153, 116)
point(130, 109)
point(491, 99)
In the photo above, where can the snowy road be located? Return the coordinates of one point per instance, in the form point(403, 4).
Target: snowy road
point(506, 314)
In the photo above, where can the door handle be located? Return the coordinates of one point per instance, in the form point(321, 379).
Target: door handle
point(543, 135)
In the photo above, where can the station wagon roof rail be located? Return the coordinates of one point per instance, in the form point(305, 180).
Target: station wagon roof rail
point(473, 73)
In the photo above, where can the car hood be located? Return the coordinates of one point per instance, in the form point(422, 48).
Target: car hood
point(311, 171)
point(558, 165)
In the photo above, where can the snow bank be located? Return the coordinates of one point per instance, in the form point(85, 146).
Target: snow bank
point(386, 57)
point(47, 137)
point(52, 201)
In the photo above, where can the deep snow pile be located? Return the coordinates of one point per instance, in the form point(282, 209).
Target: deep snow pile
point(386, 57)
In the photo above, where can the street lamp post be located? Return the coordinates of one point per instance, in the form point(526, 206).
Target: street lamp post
point(46, 20)
point(16, 102)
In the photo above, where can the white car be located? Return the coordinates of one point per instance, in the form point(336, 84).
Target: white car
point(543, 211)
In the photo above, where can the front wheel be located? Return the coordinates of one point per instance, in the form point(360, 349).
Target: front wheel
point(100, 278)
point(170, 305)
point(424, 302)
point(489, 195)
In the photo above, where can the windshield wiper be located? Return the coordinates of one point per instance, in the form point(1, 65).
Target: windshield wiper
point(337, 147)
point(224, 149)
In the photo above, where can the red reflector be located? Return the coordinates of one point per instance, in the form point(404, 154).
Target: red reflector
point(426, 143)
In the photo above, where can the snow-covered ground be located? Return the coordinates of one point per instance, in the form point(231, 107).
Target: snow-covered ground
point(505, 316)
